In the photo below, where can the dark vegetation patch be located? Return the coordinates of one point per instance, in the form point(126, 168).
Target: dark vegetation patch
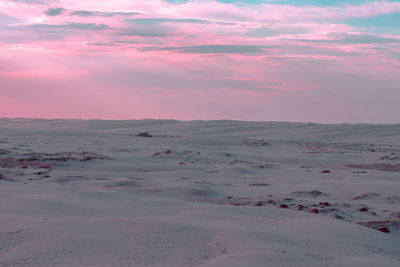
point(259, 184)
point(312, 193)
point(4, 152)
point(148, 135)
point(124, 183)
point(364, 196)
point(343, 148)
point(145, 134)
point(255, 143)
point(67, 179)
point(172, 153)
point(376, 166)
point(47, 160)
point(184, 157)
point(391, 156)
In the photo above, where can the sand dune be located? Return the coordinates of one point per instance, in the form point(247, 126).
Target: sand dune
point(200, 193)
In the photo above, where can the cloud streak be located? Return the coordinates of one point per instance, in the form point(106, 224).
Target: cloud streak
point(156, 21)
point(346, 38)
point(85, 13)
point(69, 26)
point(213, 49)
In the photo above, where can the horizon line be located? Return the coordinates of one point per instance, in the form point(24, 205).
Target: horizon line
point(200, 120)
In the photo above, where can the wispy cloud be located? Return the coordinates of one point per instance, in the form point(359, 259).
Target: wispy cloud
point(85, 13)
point(348, 38)
point(144, 33)
point(156, 21)
point(34, 2)
point(69, 26)
point(100, 44)
point(213, 49)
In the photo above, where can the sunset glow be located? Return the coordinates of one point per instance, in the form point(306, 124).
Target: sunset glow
point(246, 60)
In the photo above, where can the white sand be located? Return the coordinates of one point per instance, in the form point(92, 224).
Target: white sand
point(93, 193)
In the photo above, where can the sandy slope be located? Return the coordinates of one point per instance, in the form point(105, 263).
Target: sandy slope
point(220, 193)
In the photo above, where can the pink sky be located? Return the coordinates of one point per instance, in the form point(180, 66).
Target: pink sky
point(198, 60)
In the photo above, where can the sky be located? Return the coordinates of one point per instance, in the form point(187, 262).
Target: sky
point(325, 61)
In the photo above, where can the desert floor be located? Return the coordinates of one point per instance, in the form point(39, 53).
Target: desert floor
point(199, 193)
